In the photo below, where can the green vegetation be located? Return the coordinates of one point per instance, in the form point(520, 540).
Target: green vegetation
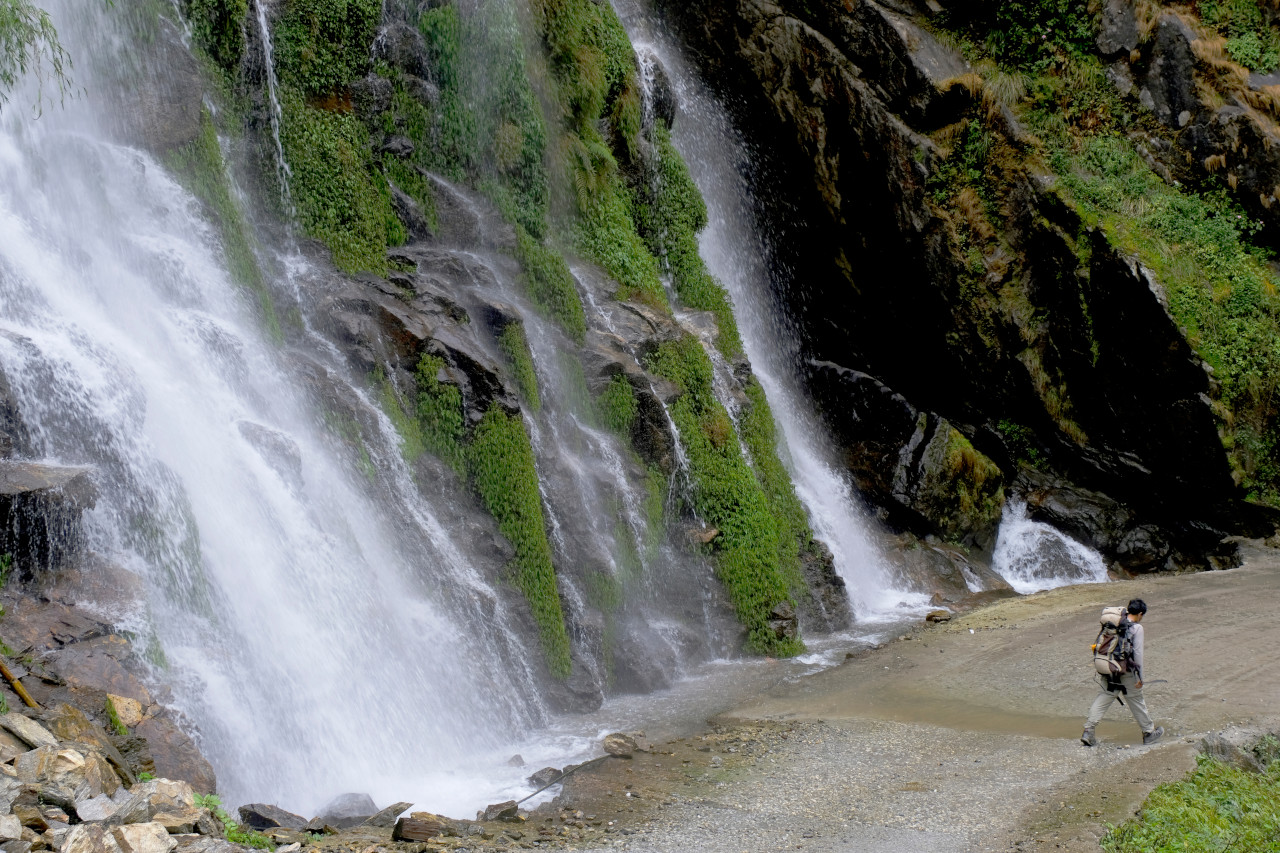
point(440, 416)
point(977, 496)
point(727, 495)
point(407, 426)
point(1253, 39)
point(340, 200)
point(550, 284)
point(146, 777)
point(1220, 288)
point(6, 567)
point(669, 219)
point(759, 434)
point(616, 407)
point(200, 167)
point(29, 44)
point(515, 346)
point(1217, 808)
point(497, 459)
point(218, 29)
point(113, 719)
point(235, 833)
point(500, 462)
point(1021, 443)
point(1200, 245)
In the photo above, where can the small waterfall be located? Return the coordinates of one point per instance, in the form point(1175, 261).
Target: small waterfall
point(283, 174)
point(1033, 556)
point(736, 252)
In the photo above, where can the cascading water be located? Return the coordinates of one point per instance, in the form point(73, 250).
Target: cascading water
point(321, 643)
point(283, 175)
point(1033, 556)
point(735, 251)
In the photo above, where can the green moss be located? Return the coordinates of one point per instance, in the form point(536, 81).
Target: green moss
point(198, 165)
point(759, 434)
point(441, 420)
point(321, 45)
point(727, 495)
point(669, 220)
point(977, 496)
point(1217, 808)
point(407, 425)
point(501, 464)
point(550, 284)
point(218, 27)
point(497, 458)
point(616, 406)
point(113, 720)
point(341, 201)
point(515, 346)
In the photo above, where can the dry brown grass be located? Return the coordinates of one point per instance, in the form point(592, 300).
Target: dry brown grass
point(1214, 162)
point(974, 214)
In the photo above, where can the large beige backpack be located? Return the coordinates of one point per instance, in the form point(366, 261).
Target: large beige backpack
point(1113, 650)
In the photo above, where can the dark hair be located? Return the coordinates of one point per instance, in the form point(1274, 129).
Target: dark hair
point(1137, 606)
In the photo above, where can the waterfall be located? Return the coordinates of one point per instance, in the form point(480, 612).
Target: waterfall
point(736, 251)
point(268, 60)
point(1033, 556)
point(320, 641)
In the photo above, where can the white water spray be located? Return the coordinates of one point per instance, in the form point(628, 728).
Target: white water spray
point(1033, 556)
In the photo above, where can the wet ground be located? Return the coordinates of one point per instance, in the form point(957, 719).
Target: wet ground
point(957, 737)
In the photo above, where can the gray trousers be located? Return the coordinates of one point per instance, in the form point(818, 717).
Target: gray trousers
point(1132, 697)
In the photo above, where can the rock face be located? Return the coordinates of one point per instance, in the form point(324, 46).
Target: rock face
point(1063, 349)
point(40, 507)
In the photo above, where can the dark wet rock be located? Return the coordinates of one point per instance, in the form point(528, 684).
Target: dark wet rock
point(410, 213)
point(348, 810)
point(276, 449)
point(544, 777)
point(264, 816)
point(40, 513)
point(371, 97)
point(580, 693)
point(99, 663)
point(14, 438)
point(1168, 87)
point(403, 48)
point(422, 91)
point(1118, 32)
point(826, 609)
point(783, 622)
point(167, 104)
point(398, 146)
point(664, 102)
point(176, 755)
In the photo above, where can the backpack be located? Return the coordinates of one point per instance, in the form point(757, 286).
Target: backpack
point(1113, 650)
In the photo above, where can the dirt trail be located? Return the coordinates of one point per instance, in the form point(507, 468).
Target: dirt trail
point(962, 737)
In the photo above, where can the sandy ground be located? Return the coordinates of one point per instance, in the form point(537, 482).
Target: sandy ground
point(959, 737)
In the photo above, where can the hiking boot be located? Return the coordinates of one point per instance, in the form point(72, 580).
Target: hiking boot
point(1088, 738)
point(1152, 736)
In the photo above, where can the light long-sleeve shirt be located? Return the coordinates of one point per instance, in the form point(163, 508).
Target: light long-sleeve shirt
point(1135, 634)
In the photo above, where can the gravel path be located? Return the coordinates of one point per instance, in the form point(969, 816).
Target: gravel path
point(961, 737)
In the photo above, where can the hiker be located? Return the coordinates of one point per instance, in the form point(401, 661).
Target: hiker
point(1126, 687)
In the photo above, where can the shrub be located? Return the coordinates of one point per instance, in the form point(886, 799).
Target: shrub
point(218, 28)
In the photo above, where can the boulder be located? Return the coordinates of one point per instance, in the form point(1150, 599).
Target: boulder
point(1217, 746)
point(402, 47)
point(620, 744)
point(40, 509)
point(413, 829)
point(507, 811)
point(277, 450)
point(783, 621)
point(544, 777)
point(938, 616)
point(10, 827)
point(176, 755)
point(347, 810)
point(1118, 33)
point(387, 817)
point(97, 808)
point(10, 746)
point(143, 838)
point(28, 730)
point(128, 711)
point(86, 838)
point(147, 799)
point(1169, 85)
point(190, 821)
point(70, 773)
point(71, 724)
point(261, 816)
